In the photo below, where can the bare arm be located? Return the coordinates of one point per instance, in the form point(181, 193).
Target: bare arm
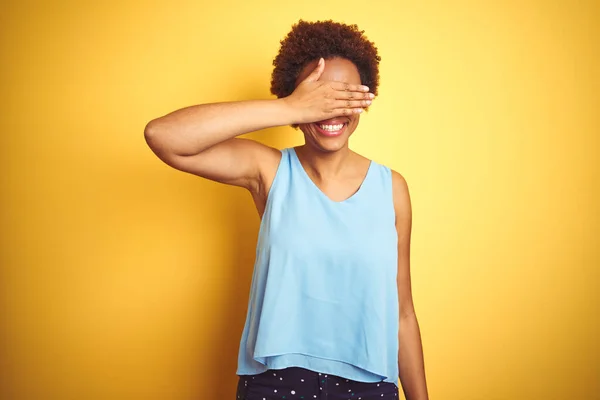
point(202, 139)
point(410, 353)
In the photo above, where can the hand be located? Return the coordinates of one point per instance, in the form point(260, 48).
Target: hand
point(315, 100)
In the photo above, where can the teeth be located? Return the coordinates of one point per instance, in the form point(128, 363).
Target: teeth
point(331, 128)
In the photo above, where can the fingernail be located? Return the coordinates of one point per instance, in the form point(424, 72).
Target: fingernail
point(368, 102)
point(366, 88)
point(371, 95)
point(359, 110)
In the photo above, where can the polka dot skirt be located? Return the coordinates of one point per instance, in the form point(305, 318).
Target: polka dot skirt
point(296, 383)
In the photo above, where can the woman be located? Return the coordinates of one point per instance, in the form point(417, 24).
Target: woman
point(330, 314)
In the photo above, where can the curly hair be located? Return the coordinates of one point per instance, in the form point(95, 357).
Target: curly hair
point(309, 41)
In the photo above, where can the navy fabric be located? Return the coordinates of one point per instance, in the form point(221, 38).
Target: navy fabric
point(295, 383)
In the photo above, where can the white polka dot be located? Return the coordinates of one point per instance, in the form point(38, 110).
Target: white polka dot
point(319, 374)
point(280, 379)
point(275, 390)
point(325, 376)
point(274, 374)
point(320, 388)
point(301, 380)
point(315, 396)
point(378, 384)
point(337, 384)
point(349, 390)
point(293, 392)
point(381, 394)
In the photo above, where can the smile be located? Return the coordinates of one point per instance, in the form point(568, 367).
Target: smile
point(330, 129)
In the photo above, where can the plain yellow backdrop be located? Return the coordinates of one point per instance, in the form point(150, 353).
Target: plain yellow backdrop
point(124, 279)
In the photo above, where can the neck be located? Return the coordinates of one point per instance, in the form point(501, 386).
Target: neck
point(323, 165)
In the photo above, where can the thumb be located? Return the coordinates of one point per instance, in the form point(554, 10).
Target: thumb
point(317, 72)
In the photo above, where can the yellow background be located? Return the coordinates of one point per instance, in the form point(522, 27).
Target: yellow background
point(123, 279)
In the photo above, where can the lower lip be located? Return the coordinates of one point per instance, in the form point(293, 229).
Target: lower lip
point(330, 133)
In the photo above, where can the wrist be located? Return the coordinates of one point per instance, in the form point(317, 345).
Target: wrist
point(287, 113)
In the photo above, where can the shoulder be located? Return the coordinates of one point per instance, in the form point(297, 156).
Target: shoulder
point(399, 183)
point(402, 204)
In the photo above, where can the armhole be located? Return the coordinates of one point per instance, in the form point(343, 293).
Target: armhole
point(275, 179)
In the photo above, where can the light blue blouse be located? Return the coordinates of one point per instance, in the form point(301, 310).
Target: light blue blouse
point(324, 294)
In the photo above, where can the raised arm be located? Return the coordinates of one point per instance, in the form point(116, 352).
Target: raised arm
point(201, 139)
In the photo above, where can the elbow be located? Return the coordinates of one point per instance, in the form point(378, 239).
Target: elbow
point(155, 137)
point(152, 134)
point(407, 310)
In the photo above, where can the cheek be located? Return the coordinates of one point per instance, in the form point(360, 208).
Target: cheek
point(303, 127)
point(354, 121)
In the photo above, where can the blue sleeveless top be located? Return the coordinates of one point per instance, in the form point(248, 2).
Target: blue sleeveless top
point(324, 295)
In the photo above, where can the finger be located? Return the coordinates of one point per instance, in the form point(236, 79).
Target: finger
point(317, 72)
point(352, 103)
point(348, 87)
point(346, 111)
point(353, 95)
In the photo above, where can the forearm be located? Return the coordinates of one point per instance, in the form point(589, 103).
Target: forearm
point(193, 129)
point(410, 359)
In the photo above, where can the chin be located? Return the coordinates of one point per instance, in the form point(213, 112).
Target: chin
point(328, 145)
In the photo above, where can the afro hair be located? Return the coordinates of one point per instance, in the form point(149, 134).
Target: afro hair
point(309, 41)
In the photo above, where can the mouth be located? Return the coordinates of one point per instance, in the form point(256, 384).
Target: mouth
point(330, 128)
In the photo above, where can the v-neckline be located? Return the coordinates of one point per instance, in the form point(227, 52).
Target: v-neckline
point(351, 197)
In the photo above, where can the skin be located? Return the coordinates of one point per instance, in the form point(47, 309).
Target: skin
point(202, 140)
point(335, 169)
